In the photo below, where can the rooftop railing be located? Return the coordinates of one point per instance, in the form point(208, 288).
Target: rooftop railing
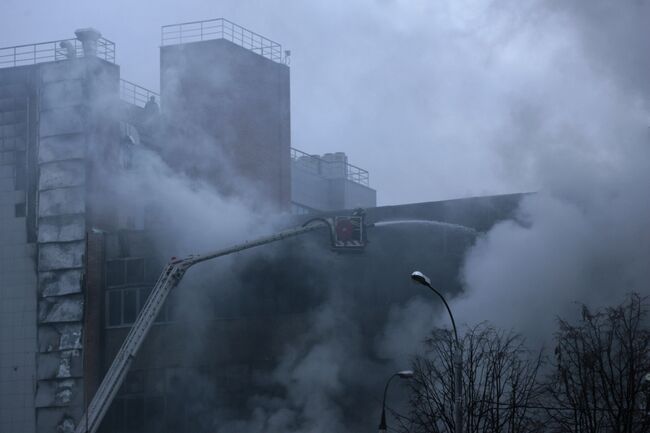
point(221, 28)
point(318, 165)
point(52, 51)
point(135, 94)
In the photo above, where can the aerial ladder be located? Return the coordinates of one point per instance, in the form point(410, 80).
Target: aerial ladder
point(346, 233)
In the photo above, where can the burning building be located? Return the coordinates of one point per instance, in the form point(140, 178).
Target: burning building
point(79, 263)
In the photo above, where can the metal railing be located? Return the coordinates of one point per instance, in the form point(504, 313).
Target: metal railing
point(52, 51)
point(318, 165)
point(358, 175)
point(221, 28)
point(135, 94)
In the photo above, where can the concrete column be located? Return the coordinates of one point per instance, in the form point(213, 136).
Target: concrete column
point(76, 120)
point(61, 244)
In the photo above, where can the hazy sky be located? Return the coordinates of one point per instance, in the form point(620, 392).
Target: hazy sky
point(437, 99)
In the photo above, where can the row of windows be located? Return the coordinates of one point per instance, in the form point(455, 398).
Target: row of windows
point(14, 143)
point(13, 104)
point(131, 271)
point(298, 209)
point(124, 305)
point(13, 130)
point(169, 400)
point(11, 117)
point(7, 157)
point(136, 415)
point(141, 403)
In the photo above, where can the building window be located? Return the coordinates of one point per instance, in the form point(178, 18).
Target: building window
point(125, 272)
point(20, 173)
point(153, 401)
point(127, 415)
point(19, 210)
point(124, 304)
point(129, 282)
point(114, 302)
point(298, 209)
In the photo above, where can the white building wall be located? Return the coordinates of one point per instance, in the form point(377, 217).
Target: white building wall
point(18, 278)
point(309, 189)
point(322, 185)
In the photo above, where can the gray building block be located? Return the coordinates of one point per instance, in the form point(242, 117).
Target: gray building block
point(61, 147)
point(60, 365)
point(60, 283)
point(62, 201)
point(60, 309)
point(57, 420)
point(65, 228)
point(65, 70)
point(56, 337)
point(59, 121)
point(59, 94)
point(53, 393)
point(62, 174)
point(55, 256)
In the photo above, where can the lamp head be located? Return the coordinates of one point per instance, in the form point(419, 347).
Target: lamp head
point(405, 374)
point(421, 278)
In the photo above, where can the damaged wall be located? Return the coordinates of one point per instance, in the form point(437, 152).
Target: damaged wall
point(68, 135)
point(234, 104)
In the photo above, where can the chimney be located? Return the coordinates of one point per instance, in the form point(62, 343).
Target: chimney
point(88, 38)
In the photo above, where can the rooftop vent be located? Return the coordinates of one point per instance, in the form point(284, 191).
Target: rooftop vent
point(88, 38)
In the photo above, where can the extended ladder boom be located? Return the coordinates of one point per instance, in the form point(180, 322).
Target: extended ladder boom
point(170, 277)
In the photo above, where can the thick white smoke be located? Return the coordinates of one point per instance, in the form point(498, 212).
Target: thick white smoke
point(585, 237)
point(470, 96)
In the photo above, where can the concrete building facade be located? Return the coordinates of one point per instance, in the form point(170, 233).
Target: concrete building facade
point(18, 275)
point(77, 267)
point(228, 88)
point(67, 124)
point(51, 127)
point(328, 182)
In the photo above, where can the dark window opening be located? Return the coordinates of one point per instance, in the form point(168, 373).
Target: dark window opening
point(115, 308)
point(19, 210)
point(130, 305)
point(20, 179)
point(124, 305)
point(115, 275)
point(144, 295)
point(134, 271)
point(135, 415)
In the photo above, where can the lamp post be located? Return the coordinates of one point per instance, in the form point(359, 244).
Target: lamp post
point(419, 277)
point(405, 374)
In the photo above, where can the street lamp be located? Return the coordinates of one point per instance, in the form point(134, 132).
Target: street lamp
point(404, 374)
point(419, 277)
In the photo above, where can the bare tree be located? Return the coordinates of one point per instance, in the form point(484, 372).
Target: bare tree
point(597, 384)
point(499, 384)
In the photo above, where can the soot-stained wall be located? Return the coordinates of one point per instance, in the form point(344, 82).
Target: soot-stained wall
point(234, 104)
point(227, 330)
